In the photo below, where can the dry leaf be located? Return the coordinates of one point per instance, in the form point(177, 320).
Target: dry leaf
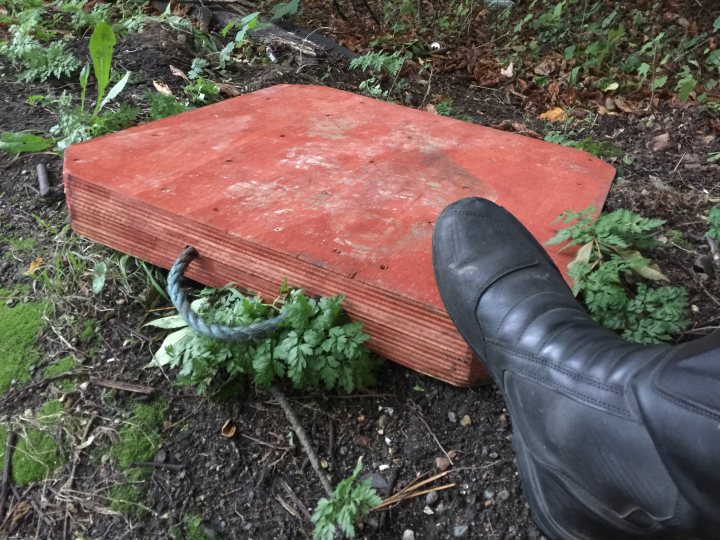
point(508, 71)
point(35, 265)
point(431, 108)
point(465, 421)
point(544, 68)
point(660, 142)
point(229, 429)
point(178, 73)
point(442, 464)
point(163, 88)
point(228, 89)
point(556, 114)
point(622, 104)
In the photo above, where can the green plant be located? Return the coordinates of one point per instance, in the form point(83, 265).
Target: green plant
point(247, 23)
point(75, 123)
point(349, 503)
point(23, 143)
point(201, 90)
point(315, 344)
point(163, 105)
point(380, 63)
point(39, 61)
point(607, 270)
point(139, 438)
point(283, 9)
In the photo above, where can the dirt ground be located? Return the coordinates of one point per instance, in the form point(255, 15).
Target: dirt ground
point(259, 484)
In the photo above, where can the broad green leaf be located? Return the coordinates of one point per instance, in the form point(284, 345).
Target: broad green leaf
point(651, 271)
point(716, 24)
point(22, 143)
point(685, 86)
point(659, 82)
point(168, 323)
point(98, 277)
point(115, 90)
point(162, 357)
point(102, 42)
point(285, 8)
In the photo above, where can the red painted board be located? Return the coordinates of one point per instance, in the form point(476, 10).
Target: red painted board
point(328, 186)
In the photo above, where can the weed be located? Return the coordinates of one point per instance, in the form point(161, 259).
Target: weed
point(349, 503)
point(202, 91)
point(380, 63)
point(18, 340)
point(39, 62)
point(607, 269)
point(162, 106)
point(314, 346)
point(244, 25)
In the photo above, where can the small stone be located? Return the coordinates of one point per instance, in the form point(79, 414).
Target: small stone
point(442, 463)
point(503, 495)
point(408, 534)
point(373, 523)
point(452, 417)
point(502, 422)
point(428, 511)
point(431, 498)
point(488, 494)
point(493, 455)
point(465, 421)
point(378, 481)
point(460, 531)
point(382, 421)
point(343, 450)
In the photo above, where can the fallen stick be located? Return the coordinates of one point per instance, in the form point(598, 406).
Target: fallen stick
point(302, 437)
point(43, 180)
point(122, 385)
point(389, 502)
point(6, 472)
point(175, 467)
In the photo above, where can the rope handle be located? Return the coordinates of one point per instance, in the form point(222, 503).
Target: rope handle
point(180, 300)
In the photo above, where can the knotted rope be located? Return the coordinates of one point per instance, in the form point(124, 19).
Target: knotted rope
point(225, 333)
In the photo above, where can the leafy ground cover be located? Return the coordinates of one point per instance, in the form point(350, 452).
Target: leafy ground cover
point(631, 83)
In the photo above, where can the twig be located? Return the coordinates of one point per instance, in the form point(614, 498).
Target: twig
point(78, 450)
point(175, 467)
point(263, 443)
point(412, 490)
point(6, 472)
point(430, 431)
point(298, 503)
point(43, 180)
point(123, 385)
point(302, 437)
point(413, 495)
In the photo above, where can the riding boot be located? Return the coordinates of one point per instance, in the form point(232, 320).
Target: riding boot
point(613, 439)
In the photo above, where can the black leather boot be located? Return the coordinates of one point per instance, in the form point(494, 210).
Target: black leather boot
point(613, 440)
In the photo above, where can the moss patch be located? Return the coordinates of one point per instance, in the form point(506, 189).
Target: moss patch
point(36, 453)
point(139, 437)
point(194, 529)
point(126, 498)
point(65, 364)
point(19, 327)
point(139, 441)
